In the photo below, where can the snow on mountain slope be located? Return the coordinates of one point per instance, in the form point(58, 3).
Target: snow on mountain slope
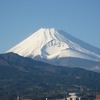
point(52, 43)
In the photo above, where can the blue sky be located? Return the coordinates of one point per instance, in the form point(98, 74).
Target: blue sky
point(20, 18)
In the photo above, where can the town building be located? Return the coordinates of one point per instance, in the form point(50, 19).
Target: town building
point(73, 96)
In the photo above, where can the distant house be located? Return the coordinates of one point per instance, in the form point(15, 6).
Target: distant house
point(73, 96)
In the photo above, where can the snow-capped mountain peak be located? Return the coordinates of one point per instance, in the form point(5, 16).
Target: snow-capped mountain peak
point(53, 44)
point(57, 47)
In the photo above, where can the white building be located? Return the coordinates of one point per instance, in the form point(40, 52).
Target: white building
point(72, 96)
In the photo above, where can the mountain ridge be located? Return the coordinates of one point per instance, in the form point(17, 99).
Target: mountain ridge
point(33, 78)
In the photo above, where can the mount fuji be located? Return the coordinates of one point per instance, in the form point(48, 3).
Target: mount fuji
point(57, 47)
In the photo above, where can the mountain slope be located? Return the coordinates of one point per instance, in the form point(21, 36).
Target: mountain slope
point(52, 45)
point(34, 78)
